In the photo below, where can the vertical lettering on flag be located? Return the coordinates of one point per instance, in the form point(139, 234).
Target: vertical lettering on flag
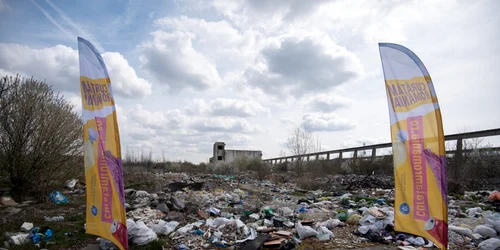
point(105, 215)
point(418, 146)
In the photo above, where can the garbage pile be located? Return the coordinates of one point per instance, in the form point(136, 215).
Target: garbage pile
point(247, 214)
point(29, 233)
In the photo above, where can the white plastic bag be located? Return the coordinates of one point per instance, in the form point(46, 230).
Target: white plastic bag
point(490, 244)
point(131, 228)
point(221, 221)
point(461, 230)
point(471, 212)
point(239, 223)
point(165, 228)
point(417, 241)
point(143, 234)
point(141, 194)
point(364, 229)
point(286, 211)
point(331, 223)
point(367, 220)
point(304, 231)
point(185, 229)
point(493, 221)
point(324, 233)
point(485, 231)
point(19, 239)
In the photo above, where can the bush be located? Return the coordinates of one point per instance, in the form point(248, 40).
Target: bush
point(252, 164)
point(40, 138)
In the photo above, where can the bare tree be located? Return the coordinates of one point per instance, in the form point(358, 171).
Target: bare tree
point(300, 142)
point(40, 137)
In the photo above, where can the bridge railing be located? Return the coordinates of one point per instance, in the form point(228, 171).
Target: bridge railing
point(458, 153)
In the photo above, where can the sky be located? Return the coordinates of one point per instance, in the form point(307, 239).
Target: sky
point(186, 74)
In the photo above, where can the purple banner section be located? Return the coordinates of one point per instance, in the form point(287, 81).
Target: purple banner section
point(418, 165)
point(104, 175)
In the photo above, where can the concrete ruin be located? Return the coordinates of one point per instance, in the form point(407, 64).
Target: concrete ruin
point(220, 154)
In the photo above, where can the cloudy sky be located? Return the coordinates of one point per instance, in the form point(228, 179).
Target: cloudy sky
point(188, 73)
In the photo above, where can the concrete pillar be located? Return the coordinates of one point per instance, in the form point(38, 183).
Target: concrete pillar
point(459, 153)
point(317, 157)
point(308, 158)
point(328, 156)
point(374, 154)
point(355, 155)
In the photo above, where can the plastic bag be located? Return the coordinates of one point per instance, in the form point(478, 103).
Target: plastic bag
point(364, 229)
point(494, 196)
point(417, 241)
point(141, 194)
point(471, 212)
point(493, 221)
point(185, 229)
point(331, 223)
point(58, 198)
point(142, 234)
point(490, 244)
point(324, 233)
point(304, 231)
point(367, 220)
point(165, 228)
point(286, 211)
point(461, 230)
point(221, 221)
point(19, 239)
point(55, 218)
point(485, 231)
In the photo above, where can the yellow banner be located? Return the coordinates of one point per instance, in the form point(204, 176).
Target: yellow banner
point(418, 146)
point(105, 215)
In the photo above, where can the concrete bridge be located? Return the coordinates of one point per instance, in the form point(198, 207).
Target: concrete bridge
point(341, 153)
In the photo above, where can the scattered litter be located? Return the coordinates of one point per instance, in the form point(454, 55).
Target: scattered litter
point(58, 198)
point(7, 201)
point(26, 227)
point(55, 218)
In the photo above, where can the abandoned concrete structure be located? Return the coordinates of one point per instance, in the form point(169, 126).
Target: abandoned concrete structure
point(220, 154)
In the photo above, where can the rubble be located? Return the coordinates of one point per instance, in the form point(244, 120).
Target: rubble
point(235, 212)
point(7, 201)
point(250, 214)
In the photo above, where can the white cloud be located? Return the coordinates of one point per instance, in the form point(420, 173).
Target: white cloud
point(166, 122)
point(124, 78)
point(299, 66)
point(327, 122)
point(328, 102)
point(225, 124)
point(171, 59)
point(221, 43)
point(58, 65)
point(226, 107)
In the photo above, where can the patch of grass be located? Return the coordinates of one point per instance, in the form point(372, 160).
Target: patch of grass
point(139, 185)
point(297, 193)
point(155, 245)
point(367, 199)
point(76, 218)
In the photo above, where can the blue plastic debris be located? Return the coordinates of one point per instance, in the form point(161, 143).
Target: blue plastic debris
point(48, 235)
point(182, 247)
point(198, 232)
point(58, 198)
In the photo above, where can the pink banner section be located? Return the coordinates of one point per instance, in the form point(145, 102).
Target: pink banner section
point(104, 175)
point(418, 165)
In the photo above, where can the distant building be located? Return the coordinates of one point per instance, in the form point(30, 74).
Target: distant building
point(220, 154)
